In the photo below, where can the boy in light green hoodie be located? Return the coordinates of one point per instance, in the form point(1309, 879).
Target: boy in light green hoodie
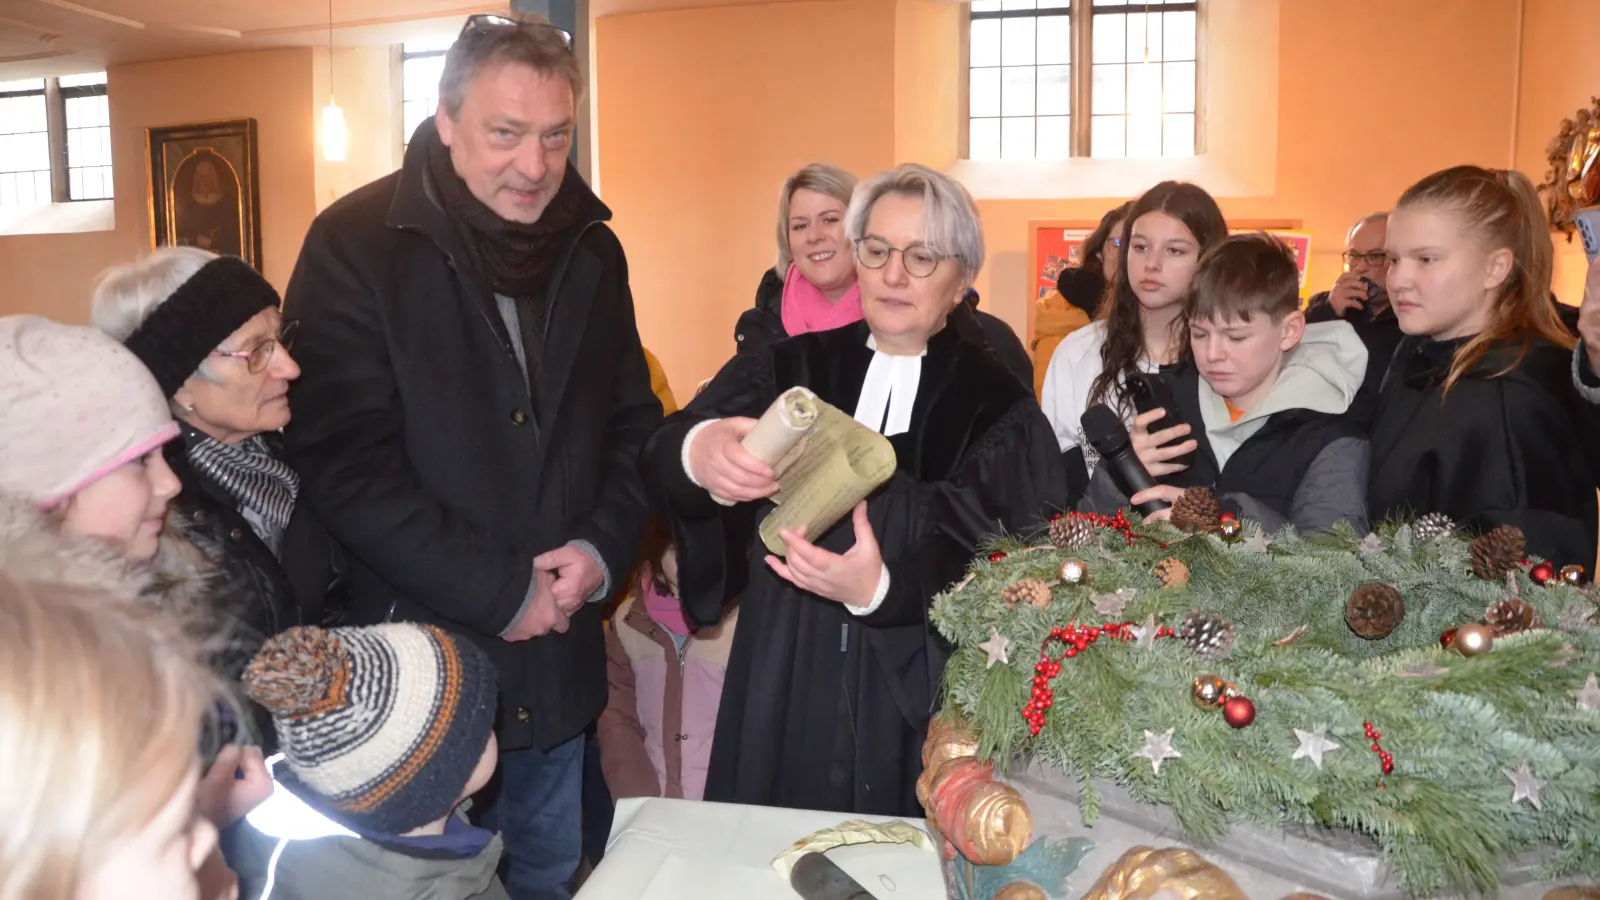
point(1267, 398)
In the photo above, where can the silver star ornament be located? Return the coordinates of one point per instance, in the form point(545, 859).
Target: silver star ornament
point(1145, 635)
point(1158, 747)
point(1313, 744)
point(998, 646)
point(1589, 695)
point(1258, 541)
point(1523, 785)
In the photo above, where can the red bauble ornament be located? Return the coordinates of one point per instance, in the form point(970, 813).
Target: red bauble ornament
point(1448, 638)
point(997, 556)
point(1238, 711)
point(1229, 517)
point(1542, 573)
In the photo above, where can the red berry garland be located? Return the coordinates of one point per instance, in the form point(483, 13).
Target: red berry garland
point(1074, 639)
point(1384, 757)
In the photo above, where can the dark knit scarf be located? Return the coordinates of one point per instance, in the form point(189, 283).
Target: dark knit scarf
point(518, 260)
point(251, 475)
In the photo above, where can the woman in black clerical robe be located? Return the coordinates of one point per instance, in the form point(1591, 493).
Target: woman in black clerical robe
point(835, 669)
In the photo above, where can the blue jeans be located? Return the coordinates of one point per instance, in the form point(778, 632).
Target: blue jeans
point(535, 802)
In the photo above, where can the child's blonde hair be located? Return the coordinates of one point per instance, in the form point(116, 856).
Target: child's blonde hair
point(101, 707)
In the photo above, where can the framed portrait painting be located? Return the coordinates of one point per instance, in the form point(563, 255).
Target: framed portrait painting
point(204, 189)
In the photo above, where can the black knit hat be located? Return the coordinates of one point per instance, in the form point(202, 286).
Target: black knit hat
point(215, 302)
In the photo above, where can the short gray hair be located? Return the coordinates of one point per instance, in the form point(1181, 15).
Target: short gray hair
point(820, 177)
point(950, 221)
point(537, 44)
point(127, 295)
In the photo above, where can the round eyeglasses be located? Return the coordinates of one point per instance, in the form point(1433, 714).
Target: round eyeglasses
point(260, 354)
point(919, 260)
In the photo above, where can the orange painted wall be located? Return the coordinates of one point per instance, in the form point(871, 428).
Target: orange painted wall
point(702, 114)
point(1560, 74)
point(54, 274)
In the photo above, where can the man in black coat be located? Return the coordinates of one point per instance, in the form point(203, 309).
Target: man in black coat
point(473, 402)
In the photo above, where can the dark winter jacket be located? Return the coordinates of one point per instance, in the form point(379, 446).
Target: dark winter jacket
point(1497, 450)
point(1300, 458)
point(761, 326)
point(421, 448)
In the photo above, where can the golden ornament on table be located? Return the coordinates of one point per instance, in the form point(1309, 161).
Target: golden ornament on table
point(1073, 571)
point(1144, 873)
point(1208, 691)
point(1231, 530)
point(1574, 575)
point(1473, 639)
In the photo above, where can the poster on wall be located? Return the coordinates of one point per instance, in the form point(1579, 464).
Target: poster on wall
point(204, 190)
point(1298, 242)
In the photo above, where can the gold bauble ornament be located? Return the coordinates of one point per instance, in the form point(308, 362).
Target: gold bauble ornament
point(1145, 872)
point(1574, 575)
point(1208, 691)
point(1073, 571)
point(1231, 530)
point(1474, 639)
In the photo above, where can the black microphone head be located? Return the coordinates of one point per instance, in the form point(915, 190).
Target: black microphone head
point(1104, 431)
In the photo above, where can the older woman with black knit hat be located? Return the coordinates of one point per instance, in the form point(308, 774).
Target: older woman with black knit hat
point(209, 328)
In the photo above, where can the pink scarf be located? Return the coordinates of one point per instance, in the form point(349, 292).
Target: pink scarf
point(806, 309)
point(666, 611)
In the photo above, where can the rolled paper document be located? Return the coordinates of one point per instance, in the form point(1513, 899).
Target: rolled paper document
point(844, 834)
point(789, 418)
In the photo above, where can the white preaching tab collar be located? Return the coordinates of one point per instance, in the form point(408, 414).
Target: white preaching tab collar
point(889, 391)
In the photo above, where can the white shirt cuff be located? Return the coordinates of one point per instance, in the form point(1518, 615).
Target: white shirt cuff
point(877, 597)
point(688, 441)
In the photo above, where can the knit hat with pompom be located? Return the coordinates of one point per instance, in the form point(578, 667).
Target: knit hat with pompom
point(384, 724)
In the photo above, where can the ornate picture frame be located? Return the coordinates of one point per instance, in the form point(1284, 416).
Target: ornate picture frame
point(1572, 180)
point(204, 187)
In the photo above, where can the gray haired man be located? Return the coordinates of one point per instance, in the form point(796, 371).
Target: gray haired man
point(473, 401)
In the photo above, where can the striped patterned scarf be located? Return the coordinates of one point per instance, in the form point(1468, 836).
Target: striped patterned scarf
point(250, 474)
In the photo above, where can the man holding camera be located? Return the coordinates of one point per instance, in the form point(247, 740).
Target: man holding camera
point(1359, 297)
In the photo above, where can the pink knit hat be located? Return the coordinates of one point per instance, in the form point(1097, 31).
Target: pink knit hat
point(77, 406)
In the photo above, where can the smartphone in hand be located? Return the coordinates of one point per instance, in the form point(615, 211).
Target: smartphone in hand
point(1588, 221)
point(1150, 391)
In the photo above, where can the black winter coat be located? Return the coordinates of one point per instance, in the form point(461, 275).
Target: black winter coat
point(761, 326)
point(1506, 450)
point(1381, 333)
point(420, 447)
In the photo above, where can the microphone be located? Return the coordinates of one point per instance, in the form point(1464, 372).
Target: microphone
point(1104, 431)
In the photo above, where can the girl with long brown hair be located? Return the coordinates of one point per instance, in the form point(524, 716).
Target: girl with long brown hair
point(1477, 418)
point(1141, 326)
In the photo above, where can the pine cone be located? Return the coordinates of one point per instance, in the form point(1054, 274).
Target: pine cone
point(1373, 610)
point(1510, 615)
point(1028, 590)
point(1208, 634)
point(1433, 526)
point(1071, 533)
point(1498, 552)
point(1172, 572)
point(1197, 510)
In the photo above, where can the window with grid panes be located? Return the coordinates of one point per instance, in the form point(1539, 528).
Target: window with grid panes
point(1132, 91)
point(88, 117)
point(24, 144)
point(421, 64)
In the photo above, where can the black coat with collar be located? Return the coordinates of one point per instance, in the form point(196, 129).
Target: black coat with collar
point(419, 446)
point(1499, 449)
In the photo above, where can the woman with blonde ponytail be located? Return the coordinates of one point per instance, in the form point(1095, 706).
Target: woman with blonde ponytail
point(101, 705)
point(1477, 418)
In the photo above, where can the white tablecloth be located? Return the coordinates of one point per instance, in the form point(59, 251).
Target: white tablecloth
point(684, 850)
